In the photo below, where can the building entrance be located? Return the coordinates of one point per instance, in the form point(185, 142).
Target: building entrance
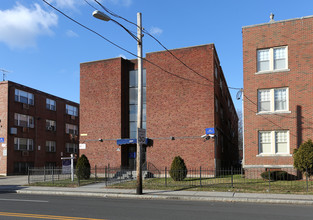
point(129, 156)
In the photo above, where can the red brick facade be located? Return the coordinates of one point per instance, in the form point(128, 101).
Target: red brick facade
point(14, 161)
point(297, 37)
point(176, 107)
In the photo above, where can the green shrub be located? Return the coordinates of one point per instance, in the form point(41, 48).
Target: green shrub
point(274, 175)
point(178, 170)
point(303, 157)
point(83, 168)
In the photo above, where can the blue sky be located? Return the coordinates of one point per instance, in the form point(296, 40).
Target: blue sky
point(43, 49)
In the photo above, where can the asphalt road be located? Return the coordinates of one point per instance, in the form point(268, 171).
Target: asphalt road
point(17, 206)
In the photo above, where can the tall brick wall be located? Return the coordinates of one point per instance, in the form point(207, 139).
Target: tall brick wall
point(3, 126)
point(298, 36)
point(39, 156)
point(175, 107)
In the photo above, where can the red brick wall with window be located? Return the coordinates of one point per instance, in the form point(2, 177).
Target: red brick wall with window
point(297, 35)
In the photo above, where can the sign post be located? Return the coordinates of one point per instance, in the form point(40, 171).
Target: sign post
point(72, 165)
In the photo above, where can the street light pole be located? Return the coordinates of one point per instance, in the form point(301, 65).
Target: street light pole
point(100, 15)
point(139, 108)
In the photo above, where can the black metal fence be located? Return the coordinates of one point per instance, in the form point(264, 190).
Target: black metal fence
point(233, 179)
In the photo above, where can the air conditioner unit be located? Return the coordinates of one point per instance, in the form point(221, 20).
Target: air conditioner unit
point(72, 117)
point(25, 106)
point(49, 128)
point(25, 153)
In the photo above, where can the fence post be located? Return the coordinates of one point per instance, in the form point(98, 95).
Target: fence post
point(269, 180)
point(44, 173)
point(28, 179)
point(306, 180)
point(165, 177)
point(106, 175)
point(52, 175)
point(232, 176)
point(95, 173)
point(200, 178)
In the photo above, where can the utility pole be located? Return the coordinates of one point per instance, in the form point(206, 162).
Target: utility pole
point(139, 108)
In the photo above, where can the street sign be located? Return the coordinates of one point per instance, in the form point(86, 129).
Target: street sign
point(209, 131)
point(1, 140)
point(141, 136)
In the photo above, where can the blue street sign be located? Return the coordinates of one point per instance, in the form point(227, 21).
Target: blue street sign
point(1, 140)
point(209, 131)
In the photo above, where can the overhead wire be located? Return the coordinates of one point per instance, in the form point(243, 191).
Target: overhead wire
point(152, 63)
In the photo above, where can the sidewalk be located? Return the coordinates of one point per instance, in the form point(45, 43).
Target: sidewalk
point(19, 185)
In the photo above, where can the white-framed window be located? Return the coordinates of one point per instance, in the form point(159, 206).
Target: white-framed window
point(273, 100)
point(71, 110)
point(51, 125)
point(50, 146)
point(51, 104)
point(23, 120)
point(272, 59)
point(24, 97)
point(274, 142)
point(71, 148)
point(23, 144)
point(71, 129)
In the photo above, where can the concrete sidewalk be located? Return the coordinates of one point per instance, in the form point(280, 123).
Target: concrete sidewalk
point(18, 184)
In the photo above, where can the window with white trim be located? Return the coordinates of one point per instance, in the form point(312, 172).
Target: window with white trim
point(71, 110)
point(274, 142)
point(51, 104)
point(24, 97)
point(23, 144)
point(71, 148)
point(71, 129)
point(272, 59)
point(50, 146)
point(23, 120)
point(273, 100)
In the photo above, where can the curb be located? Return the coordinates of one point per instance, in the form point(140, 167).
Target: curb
point(165, 197)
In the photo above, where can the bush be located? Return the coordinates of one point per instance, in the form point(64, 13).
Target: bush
point(274, 175)
point(83, 168)
point(303, 157)
point(178, 170)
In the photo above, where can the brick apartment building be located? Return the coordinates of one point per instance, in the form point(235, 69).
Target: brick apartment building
point(278, 89)
point(176, 110)
point(36, 129)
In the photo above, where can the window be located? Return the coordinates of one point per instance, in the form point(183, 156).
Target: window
point(51, 125)
point(23, 120)
point(215, 71)
point(24, 97)
point(50, 104)
point(50, 146)
point(272, 59)
point(22, 167)
point(71, 110)
point(216, 104)
point(23, 144)
point(71, 148)
point(273, 100)
point(133, 102)
point(71, 129)
point(274, 142)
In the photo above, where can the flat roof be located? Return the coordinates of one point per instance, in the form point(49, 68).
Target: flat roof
point(275, 22)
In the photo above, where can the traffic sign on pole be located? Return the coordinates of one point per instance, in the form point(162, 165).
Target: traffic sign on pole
point(141, 136)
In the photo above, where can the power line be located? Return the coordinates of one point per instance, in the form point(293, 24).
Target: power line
point(173, 74)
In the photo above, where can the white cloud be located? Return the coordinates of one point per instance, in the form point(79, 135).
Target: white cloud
point(71, 33)
point(20, 26)
point(123, 56)
point(156, 31)
point(64, 3)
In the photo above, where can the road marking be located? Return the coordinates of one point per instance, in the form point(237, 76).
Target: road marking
point(24, 215)
point(22, 200)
